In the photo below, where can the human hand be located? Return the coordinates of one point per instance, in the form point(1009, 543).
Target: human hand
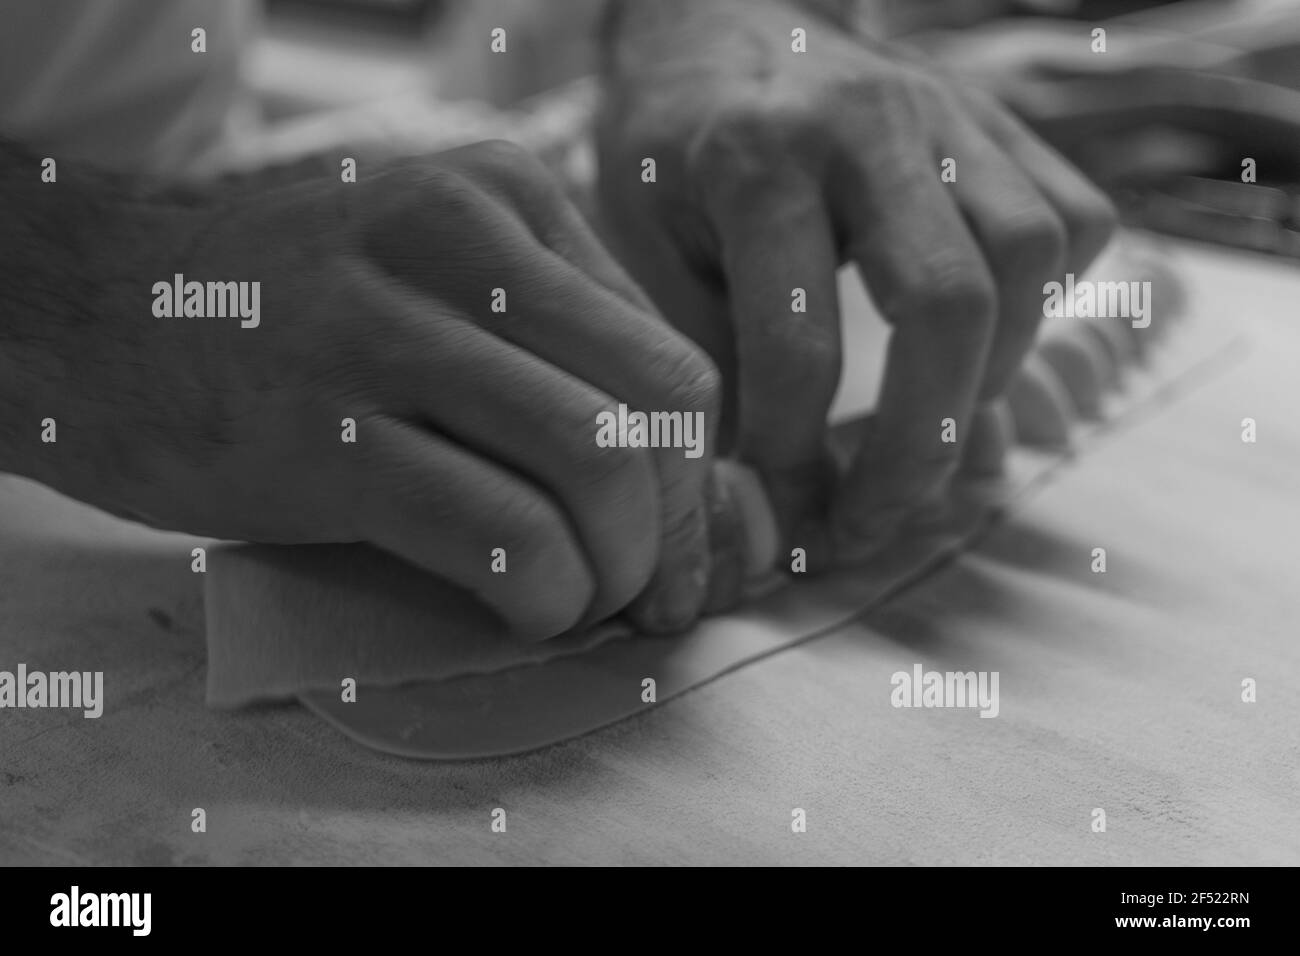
point(774, 167)
point(474, 429)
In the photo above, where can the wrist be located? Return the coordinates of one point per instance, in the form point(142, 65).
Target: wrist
point(53, 315)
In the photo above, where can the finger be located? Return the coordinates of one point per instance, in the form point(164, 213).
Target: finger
point(561, 227)
point(759, 539)
point(926, 273)
point(743, 534)
point(557, 312)
point(643, 362)
point(779, 257)
point(693, 299)
point(1023, 241)
point(1080, 363)
point(726, 547)
point(446, 510)
point(1088, 215)
point(535, 195)
point(509, 406)
point(1041, 406)
point(992, 435)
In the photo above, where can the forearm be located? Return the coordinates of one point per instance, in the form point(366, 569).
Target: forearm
point(53, 237)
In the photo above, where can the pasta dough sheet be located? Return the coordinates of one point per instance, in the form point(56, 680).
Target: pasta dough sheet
point(1118, 690)
point(438, 679)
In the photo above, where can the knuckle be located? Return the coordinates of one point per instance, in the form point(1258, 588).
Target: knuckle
point(903, 94)
point(958, 297)
point(692, 380)
point(415, 174)
point(627, 469)
point(792, 355)
point(1091, 221)
point(502, 155)
point(530, 526)
point(410, 192)
point(1033, 242)
point(509, 169)
point(738, 144)
point(809, 349)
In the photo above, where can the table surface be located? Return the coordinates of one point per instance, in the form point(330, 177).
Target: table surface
point(1119, 691)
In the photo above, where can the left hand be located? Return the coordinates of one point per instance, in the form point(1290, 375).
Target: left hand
point(773, 168)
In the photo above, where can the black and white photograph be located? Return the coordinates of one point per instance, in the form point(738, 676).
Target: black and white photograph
point(651, 433)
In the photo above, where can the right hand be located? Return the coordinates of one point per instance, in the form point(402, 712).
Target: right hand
point(474, 430)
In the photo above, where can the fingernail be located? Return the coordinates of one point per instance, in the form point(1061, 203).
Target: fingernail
point(988, 442)
point(726, 545)
point(677, 594)
point(860, 540)
point(726, 585)
point(1041, 406)
point(750, 517)
point(676, 606)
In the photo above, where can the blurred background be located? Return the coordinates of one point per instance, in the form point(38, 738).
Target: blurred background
point(1163, 120)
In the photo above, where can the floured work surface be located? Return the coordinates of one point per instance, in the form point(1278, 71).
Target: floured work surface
point(437, 678)
point(1118, 691)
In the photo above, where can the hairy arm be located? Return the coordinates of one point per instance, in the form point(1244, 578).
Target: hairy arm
point(51, 239)
point(78, 343)
point(314, 424)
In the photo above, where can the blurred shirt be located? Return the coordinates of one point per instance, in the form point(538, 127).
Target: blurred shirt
point(116, 81)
